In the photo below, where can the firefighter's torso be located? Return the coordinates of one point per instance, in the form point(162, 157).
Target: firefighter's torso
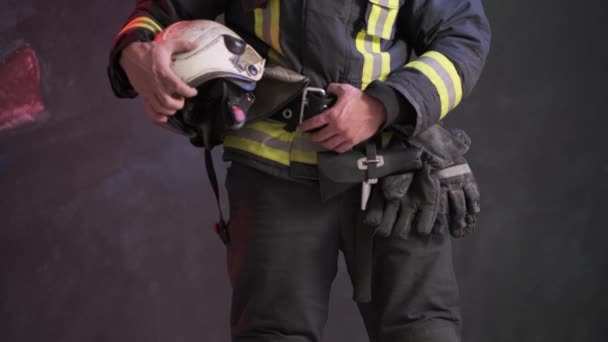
point(338, 41)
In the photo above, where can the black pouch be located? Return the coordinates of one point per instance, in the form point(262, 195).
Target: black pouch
point(340, 172)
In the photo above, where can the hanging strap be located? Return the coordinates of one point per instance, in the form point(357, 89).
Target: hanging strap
point(220, 227)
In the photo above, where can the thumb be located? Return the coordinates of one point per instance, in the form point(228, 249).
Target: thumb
point(179, 46)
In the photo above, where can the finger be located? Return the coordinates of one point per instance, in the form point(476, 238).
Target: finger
point(425, 219)
point(156, 117)
point(344, 147)
point(336, 89)
point(171, 103)
point(173, 85)
point(389, 217)
point(179, 46)
point(315, 122)
point(441, 222)
point(458, 211)
point(403, 226)
point(323, 134)
point(333, 142)
point(157, 106)
point(471, 194)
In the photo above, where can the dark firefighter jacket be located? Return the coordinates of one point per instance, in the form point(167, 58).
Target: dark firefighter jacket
point(420, 58)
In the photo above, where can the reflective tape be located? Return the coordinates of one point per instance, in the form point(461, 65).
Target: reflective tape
point(381, 18)
point(453, 171)
point(267, 24)
point(142, 22)
point(376, 63)
point(269, 140)
point(444, 77)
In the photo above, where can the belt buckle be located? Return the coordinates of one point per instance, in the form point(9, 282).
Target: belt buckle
point(304, 101)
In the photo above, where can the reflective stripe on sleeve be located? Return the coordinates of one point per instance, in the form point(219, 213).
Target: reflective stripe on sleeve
point(443, 75)
point(142, 22)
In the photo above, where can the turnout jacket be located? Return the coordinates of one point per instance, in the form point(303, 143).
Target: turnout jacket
point(420, 58)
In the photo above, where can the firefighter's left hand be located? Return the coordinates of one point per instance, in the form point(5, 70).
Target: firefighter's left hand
point(354, 118)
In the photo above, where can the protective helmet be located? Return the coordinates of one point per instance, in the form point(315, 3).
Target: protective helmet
point(224, 69)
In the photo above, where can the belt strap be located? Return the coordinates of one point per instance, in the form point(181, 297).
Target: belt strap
point(312, 102)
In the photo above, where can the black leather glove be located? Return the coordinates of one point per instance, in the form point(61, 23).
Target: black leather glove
point(404, 202)
point(460, 202)
point(443, 193)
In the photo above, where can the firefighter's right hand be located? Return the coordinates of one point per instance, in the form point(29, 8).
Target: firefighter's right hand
point(148, 67)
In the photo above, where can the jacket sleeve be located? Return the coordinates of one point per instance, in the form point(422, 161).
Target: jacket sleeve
point(148, 19)
point(451, 39)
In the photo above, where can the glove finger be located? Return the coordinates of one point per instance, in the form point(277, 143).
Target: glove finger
point(424, 221)
point(458, 212)
point(471, 194)
point(403, 226)
point(388, 219)
point(375, 208)
point(441, 222)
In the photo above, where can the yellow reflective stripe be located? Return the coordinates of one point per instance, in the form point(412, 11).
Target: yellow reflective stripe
point(304, 157)
point(368, 59)
point(389, 23)
point(269, 31)
point(257, 148)
point(436, 80)
point(275, 12)
point(451, 70)
point(376, 63)
point(259, 22)
point(152, 22)
point(385, 64)
point(273, 129)
point(372, 20)
point(142, 22)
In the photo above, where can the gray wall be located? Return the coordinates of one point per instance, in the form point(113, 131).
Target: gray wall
point(105, 218)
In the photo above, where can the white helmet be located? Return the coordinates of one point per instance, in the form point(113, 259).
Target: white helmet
point(221, 53)
point(224, 69)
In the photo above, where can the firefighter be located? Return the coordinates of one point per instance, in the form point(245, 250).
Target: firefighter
point(384, 73)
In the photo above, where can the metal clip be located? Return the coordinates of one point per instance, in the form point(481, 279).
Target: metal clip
point(363, 162)
point(304, 101)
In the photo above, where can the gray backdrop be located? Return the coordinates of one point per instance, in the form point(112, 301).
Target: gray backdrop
point(105, 218)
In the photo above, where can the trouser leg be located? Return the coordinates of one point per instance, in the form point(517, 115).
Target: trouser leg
point(414, 288)
point(282, 257)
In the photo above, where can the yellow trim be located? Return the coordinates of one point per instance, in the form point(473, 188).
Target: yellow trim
point(372, 21)
point(151, 22)
point(136, 25)
point(275, 12)
point(385, 66)
point(368, 60)
point(259, 22)
point(142, 22)
point(435, 79)
point(273, 129)
point(300, 156)
point(451, 69)
point(389, 23)
point(257, 148)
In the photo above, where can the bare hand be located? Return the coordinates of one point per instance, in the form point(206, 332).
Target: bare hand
point(354, 118)
point(148, 67)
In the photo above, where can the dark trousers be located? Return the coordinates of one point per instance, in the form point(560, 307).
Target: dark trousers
point(282, 259)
